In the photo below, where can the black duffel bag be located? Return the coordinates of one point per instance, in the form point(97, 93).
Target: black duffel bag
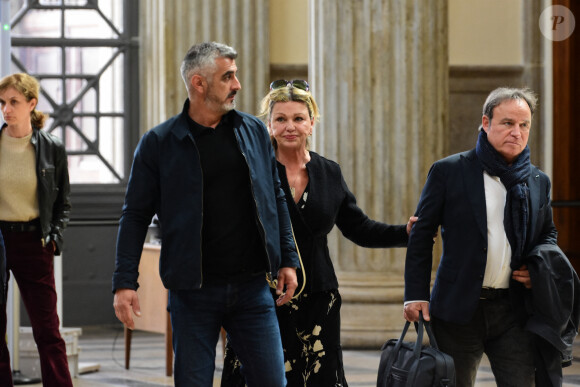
point(406, 364)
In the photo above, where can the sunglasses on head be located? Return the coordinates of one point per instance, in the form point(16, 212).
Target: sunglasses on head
point(297, 83)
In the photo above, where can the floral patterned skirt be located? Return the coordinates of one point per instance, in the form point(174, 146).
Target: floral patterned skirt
point(310, 329)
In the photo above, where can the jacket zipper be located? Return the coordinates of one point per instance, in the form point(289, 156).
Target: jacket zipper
point(42, 171)
point(269, 273)
point(201, 224)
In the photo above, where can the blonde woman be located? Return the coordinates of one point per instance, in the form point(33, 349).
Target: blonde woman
point(34, 210)
point(318, 198)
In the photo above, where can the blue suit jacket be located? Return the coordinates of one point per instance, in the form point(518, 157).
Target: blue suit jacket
point(454, 198)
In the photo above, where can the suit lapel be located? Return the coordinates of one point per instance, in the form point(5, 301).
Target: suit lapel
point(534, 185)
point(474, 189)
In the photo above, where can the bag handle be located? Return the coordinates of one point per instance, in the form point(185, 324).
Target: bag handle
point(418, 343)
point(442, 366)
point(396, 350)
point(427, 325)
point(430, 334)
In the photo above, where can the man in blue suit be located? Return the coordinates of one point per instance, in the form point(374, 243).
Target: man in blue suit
point(493, 207)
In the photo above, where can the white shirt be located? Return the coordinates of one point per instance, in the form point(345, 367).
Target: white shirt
point(499, 252)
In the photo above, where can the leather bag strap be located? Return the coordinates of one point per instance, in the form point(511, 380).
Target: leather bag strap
point(441, 366)
point(396, 349)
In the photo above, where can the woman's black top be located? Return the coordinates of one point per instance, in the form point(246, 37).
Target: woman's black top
point(330, 202)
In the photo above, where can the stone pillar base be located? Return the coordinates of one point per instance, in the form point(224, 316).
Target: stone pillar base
point(372, 309)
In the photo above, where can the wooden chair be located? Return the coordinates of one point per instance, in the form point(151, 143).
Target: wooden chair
point(153, 298)
point(168, 348)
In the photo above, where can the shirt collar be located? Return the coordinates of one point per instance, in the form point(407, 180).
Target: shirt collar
point(198, 129)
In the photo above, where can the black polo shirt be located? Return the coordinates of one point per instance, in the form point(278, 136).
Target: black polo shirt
point(232, 248)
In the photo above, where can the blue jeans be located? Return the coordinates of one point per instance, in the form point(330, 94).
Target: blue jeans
point(492, 330)
point(247, 313)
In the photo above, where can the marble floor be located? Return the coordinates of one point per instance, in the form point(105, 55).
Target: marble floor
point(102, 348)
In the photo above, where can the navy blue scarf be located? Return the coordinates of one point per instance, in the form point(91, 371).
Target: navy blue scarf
point(513, 177)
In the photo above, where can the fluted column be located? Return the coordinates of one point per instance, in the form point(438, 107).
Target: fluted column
point(379, 71)
point(169, 28)
point(152, 64)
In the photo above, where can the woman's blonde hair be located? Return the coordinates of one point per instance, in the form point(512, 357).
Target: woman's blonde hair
point(29, 87)
point(287, 94)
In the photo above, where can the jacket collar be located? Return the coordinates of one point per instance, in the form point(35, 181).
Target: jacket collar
point(182, 122)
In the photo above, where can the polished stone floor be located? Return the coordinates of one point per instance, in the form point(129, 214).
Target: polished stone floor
point(103, 348)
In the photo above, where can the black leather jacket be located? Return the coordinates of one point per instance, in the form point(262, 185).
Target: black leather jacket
point(3, 292)
point(53, 186)
point(553, 307)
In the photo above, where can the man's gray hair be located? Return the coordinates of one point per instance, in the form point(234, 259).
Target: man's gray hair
point(201, 57)
point(502, 94)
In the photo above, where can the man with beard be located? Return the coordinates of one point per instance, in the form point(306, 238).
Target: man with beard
point(210, 175)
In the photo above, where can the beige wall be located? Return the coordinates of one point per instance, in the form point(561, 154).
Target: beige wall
point(480, 32)
point(289, 32)
point(487, 32)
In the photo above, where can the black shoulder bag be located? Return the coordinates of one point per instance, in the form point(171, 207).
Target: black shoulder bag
point(407, 364)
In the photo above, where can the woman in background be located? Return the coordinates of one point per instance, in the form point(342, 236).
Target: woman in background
point(34, 210)
point(318, 198)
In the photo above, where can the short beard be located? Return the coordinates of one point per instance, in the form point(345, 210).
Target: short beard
point(222, 107)
point(229, 106)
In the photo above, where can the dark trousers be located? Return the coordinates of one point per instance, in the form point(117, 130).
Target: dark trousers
point(33, 268)
point(495, 332)
point(247, 313)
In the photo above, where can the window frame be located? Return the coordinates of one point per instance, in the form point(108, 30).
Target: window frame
point(98, 201)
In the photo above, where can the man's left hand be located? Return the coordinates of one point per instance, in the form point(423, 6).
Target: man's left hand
point(523, 275)
point(286, 279)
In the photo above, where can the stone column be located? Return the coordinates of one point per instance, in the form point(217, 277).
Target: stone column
point(537, 67)
point(154, 88)
point(169, 28)
point(379, 71)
